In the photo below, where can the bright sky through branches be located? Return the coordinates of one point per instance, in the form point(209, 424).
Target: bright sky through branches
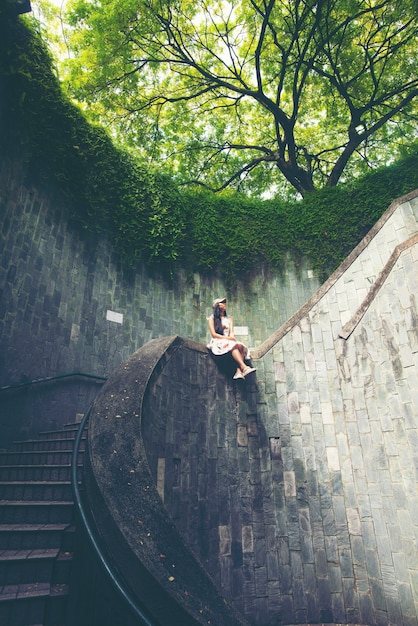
point(243, 94)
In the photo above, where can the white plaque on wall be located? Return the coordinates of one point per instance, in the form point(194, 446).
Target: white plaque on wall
point(112, 316)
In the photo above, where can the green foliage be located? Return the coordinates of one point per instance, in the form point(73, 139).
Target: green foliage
point(106, 189)
point(148, 222)
point(146, 216)
point(231, 233)
point(330, 223)
point(249, 95)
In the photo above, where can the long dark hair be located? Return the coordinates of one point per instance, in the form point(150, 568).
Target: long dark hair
point(217, 319)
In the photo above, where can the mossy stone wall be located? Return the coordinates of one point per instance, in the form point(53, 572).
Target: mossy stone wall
point(58, 290)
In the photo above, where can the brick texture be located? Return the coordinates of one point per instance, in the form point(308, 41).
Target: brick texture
point(297, 488)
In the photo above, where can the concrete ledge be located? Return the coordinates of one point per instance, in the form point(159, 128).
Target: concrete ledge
point(144, 544)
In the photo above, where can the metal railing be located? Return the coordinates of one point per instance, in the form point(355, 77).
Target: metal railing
point(138, 611)
point(48, 379)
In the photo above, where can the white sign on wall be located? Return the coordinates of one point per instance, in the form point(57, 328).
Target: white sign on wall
point(112, 316)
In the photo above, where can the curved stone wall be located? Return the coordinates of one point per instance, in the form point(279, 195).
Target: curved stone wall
point(139, 535)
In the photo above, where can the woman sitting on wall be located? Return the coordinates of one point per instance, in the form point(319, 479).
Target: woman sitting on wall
point(223, 341)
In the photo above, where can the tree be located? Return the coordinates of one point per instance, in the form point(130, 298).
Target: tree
point(229, 91)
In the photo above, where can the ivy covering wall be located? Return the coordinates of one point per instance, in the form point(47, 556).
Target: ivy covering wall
point(147, 217)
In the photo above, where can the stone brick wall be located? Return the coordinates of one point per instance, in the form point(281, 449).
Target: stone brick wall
point(141, 538)
point(56, 289)
point(297, 489)
point(306, 506)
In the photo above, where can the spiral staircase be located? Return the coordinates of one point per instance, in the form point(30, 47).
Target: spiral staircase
point(37, 529)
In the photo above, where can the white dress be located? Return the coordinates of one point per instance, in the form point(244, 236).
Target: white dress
point(220, 346)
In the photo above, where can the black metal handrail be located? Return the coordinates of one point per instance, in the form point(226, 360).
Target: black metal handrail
point(48, 379)
point(137, 610)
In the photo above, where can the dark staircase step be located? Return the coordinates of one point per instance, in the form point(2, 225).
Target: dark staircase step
point(43, 565)
point(40, 445)
point(54, 473)
point(35, 490)
point(65, 433)
point(37, 458)
point(37, 536)
point(35, 603)
point(40, 512)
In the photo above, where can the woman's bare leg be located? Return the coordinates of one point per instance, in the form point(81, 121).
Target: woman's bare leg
point(238, 356)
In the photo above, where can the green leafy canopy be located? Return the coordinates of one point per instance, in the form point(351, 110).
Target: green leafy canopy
point(252, 94)
point(142, 210)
